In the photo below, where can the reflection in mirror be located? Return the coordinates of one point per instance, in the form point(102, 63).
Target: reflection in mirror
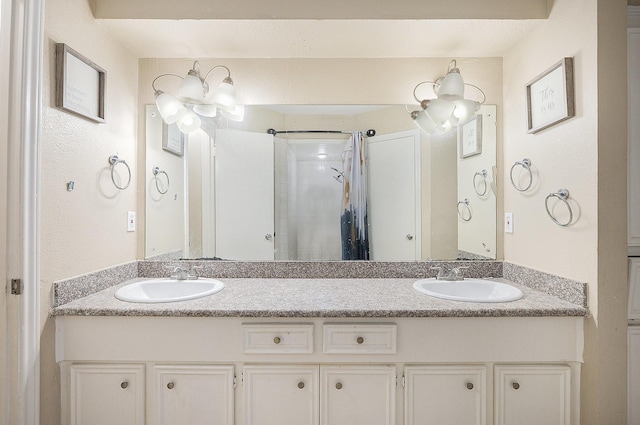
point(244, 194)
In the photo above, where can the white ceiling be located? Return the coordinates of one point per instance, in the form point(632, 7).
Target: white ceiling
point(274, 38)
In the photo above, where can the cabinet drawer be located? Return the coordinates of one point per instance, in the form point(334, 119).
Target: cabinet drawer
point(359, 339)
point(277, 338)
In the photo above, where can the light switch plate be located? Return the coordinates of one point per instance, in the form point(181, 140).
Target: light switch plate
point(508, 222)
point(131, 221)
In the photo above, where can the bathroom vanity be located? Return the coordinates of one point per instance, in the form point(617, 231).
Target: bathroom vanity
point(320, 351)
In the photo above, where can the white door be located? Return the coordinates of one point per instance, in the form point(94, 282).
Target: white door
point(445, 395)
point(193, 395)
point(532, 395)
point(357, 395)
point(394, 196)
point(282, 395)
point(107, 394)
point(244, 198)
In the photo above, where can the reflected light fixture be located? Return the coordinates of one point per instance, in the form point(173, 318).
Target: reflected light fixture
point(194, 99)
point(449, 108)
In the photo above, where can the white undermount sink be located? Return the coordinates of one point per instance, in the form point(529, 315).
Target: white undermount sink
point(168, 290)
point(470, 290)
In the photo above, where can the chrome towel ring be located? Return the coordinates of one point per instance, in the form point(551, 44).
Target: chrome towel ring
point(482, 183)
point(562, 195)
point(156, 172)
point(526, 164)
point(114, 161)
point(465, 204)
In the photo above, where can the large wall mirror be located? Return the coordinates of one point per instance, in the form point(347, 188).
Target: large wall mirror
point(235, 191)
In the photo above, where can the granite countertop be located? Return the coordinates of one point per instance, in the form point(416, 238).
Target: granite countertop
point(371, 297)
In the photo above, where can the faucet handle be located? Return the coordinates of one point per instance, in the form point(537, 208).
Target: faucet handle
point(458, 272)
point(440, 271)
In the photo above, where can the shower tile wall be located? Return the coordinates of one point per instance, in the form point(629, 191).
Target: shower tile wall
point(308, 206)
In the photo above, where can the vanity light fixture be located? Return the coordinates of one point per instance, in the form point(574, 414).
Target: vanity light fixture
point(449, 108)
point(194, 99)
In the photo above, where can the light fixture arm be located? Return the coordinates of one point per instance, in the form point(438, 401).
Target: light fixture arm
point(226, 80)
point(153, 83)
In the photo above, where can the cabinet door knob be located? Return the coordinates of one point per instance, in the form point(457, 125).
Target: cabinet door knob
point(515, 386)
point(360, 340)
point(469, 385)
point(170, 385)
point(301, 385)
point(277, 340)
point(124, 385)
point(338, 385)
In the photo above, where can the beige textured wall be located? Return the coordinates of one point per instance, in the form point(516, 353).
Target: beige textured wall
point(83, 230)
point(584, 155)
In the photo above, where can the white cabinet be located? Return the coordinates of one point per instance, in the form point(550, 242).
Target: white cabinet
point(445, 395)
point(286, 395)
point(190, 395)
point(357, 395)
point(327, 395)
point(532, 395)
point(106, 394)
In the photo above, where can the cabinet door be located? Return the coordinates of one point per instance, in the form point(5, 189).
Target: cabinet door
point(634, 375)
point(445, 395)
point(283, 395)
point(107, 394)
point(532, 395)
point(193, 395)
point(357, 395)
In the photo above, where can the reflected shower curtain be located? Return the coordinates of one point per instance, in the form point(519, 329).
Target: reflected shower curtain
point(354, 222)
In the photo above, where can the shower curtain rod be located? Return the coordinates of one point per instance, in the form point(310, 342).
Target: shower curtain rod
point(370, 133)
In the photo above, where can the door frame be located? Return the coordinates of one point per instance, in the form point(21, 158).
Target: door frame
point(22, 30)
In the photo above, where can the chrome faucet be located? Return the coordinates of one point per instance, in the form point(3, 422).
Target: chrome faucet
point(181, 274)
point(455, 273)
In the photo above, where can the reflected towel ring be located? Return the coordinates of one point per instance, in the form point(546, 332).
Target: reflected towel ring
point(562, 195)
point(482, 174)
point(465, 202)
point(114, 161)
point(526, 164)
point(156, 172)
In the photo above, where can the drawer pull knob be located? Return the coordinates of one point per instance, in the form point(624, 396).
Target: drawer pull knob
point(170, 385)
point(515, 386)
point(469, 386)
point(360, 340)
point(124, 385)
point(301, 385)
point(338, 385)
point(277, 340)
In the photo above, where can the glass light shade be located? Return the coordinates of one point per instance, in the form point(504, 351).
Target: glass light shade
point(189, 123)
point(465, 109)
point(237, 114)
point(423, 122)
point(205, 110)
point(439, 110)
point(191, 90)
point(170, 108)
point(452, 86)
point(224, 96)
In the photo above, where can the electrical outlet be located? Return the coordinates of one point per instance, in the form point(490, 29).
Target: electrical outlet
point(131, 221)
point(508, 222)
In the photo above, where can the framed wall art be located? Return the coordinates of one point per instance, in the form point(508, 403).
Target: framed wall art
point(172, 139)
point(550, 97)
point(80, 84)
point(470, 134)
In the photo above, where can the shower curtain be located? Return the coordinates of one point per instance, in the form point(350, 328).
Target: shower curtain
point(354, 222)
